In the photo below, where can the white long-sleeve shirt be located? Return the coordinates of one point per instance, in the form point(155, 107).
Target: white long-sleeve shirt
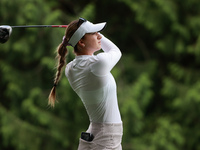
point(90, 78)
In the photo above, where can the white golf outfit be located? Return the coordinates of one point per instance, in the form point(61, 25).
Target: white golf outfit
point(90, 78)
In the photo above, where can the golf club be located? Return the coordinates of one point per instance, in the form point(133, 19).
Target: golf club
point(6, 30)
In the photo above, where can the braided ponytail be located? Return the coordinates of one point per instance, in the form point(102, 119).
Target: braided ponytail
point(62, 52)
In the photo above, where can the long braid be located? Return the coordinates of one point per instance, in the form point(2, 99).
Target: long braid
point(62, 52)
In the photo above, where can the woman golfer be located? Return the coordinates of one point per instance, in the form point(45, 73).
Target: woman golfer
point(89, 76)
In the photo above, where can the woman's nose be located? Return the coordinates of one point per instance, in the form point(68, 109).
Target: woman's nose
point(99, 35)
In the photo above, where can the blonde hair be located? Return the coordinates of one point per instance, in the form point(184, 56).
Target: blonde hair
point(61, 58)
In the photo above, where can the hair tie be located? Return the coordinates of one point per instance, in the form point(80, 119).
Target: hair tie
point(55, 85)
point(64, 42)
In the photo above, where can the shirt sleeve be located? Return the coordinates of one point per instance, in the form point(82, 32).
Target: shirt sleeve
point(106, 60)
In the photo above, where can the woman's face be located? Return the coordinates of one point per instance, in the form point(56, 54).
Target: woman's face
point(92, 42)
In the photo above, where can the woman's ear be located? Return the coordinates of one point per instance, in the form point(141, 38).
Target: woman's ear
point(81, 43)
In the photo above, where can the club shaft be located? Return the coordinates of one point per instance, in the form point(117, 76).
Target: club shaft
point(41, 26)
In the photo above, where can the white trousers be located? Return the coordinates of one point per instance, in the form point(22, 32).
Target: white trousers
point(106, 137)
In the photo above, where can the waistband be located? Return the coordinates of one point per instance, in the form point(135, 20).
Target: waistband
point(105, 127)
point(105, 124)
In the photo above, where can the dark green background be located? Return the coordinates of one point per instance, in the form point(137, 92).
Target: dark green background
point(158, 76)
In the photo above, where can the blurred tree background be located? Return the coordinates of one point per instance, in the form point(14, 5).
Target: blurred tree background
point(158, 75)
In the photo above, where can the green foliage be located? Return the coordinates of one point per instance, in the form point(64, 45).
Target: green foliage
point(165, 135)
point(157, 77)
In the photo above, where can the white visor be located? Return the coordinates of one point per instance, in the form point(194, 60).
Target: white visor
point(86, 27)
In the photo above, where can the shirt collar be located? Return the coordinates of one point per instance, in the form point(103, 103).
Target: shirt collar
point(83, 56)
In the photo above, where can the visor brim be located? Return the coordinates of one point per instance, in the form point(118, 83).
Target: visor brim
point(86, 27)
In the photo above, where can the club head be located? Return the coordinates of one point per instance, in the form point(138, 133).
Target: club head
point(5, 32)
